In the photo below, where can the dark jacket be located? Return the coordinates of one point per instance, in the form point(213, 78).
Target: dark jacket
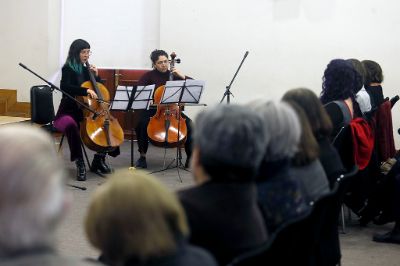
point(184, 255)
point(330, 160)
point(279, 194)
point(71, 83)
point(224, 218)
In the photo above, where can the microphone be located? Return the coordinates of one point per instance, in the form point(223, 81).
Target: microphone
point(23, 65)
point(246, 54)
point(398, 131)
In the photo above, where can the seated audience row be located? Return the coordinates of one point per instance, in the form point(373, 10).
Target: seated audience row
point(353, 96)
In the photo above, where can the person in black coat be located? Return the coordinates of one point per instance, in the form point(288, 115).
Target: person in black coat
point(69, 114)
point(222, 208)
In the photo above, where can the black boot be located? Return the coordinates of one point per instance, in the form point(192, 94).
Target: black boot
point(141, 162)
point(99, 164)
point(392, 236)
point(80, 169)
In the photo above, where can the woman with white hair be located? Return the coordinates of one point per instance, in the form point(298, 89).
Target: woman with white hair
point(32, 197)
point(279, 193)
point(222, 208)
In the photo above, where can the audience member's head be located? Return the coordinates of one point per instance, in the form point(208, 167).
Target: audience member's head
point(361, 73)
point(283, 128)
point(318, 118)
point(32, 196)
point(373, 72)
point(339, 81)
point(230, 142)
point(308, 149)
point(134, 217)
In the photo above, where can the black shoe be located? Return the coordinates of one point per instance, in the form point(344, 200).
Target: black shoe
point(187, 163)
point(80, 169)
point(390, 237)
point(367, 214)
point(141, 163)
point(383, 218)
point(99, 164)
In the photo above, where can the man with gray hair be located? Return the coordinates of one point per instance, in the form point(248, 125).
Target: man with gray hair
point(32, 197)
point(222, 209)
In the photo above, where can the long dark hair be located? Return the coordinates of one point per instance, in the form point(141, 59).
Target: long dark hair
point(318, 118)
point(308, 149)
point(73, 59)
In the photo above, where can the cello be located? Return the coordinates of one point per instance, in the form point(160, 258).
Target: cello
point(100, 131)
point(167, 128)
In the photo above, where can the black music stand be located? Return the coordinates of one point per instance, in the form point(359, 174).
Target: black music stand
point(129, 99)
point(180, 92)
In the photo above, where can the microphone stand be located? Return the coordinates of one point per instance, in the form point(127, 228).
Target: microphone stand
point(52, 87)
point(228, 92)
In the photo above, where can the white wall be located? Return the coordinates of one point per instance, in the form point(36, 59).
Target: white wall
point(290, 42)
point(38, 33)
point(29, 34)
point(122, 33)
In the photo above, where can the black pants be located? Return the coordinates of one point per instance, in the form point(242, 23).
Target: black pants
point(143, 139)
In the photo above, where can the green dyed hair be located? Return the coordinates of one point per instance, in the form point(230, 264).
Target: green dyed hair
point(73, 59)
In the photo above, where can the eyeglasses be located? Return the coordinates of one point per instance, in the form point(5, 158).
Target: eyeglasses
point(162, 62)
point(86, 52)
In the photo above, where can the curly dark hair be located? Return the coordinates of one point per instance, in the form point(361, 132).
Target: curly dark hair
point(339, 81)
point(156, 54)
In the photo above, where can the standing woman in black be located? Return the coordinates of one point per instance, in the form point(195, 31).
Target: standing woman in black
point(69, 115)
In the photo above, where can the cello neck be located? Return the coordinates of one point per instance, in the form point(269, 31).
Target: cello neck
point(94, 82)
point(171, 66)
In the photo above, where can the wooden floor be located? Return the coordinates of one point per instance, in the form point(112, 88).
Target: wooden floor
point(12, 119)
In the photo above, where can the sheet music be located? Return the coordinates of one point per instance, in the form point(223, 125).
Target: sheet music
point(142, 96)
point(192, 91)
point(121, 99)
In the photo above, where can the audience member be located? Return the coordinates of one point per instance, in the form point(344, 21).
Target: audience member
point(32, 198)
point(321, 126)
point(338, 93)
point(279, 193)
point(373, 81)
point(385, 147)
point(134, 220)
point(222, 208)
point(306, 166)
point(362, 96)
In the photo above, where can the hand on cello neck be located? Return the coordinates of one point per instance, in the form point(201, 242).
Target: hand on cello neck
point(92, 94)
